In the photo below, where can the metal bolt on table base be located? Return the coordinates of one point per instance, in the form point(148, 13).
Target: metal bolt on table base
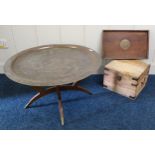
point(42, 92)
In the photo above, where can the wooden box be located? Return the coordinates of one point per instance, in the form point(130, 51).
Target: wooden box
point(125, 44)
point(126, 77)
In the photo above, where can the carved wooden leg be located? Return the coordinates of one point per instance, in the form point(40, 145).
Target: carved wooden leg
point(34, 98)
point(83, 90)
point(60, 105)
point(39, 95)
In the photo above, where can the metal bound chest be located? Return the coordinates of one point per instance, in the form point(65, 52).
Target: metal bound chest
point(126, 77)
point(125, 44)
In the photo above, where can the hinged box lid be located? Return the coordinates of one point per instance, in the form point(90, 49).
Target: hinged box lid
point(125, 44)
point(132, 68)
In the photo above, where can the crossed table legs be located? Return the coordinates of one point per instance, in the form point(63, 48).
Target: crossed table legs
point(42, 92)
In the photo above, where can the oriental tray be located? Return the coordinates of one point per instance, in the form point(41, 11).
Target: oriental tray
point(125, 44)
point(52, 65)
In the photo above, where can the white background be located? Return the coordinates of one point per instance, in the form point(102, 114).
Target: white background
point(80, 12)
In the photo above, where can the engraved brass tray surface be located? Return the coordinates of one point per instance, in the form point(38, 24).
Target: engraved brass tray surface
point(52, 65)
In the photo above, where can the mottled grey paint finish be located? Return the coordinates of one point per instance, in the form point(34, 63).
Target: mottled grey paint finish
point(52, 65)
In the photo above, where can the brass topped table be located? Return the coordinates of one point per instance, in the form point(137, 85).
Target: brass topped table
point(59, 66)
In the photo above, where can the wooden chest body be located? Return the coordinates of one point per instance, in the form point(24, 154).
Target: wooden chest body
point(126, 77)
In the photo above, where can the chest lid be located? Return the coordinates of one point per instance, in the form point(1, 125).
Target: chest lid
point(133, 68)
point(125, 44)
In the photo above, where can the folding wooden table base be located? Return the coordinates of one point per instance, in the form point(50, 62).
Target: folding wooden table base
point(42, 92)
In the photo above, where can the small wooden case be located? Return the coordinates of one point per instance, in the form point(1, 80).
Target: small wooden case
point(126, 77)
point(125, 44)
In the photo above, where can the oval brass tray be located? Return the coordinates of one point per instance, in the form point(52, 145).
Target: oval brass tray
point(52, 65)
